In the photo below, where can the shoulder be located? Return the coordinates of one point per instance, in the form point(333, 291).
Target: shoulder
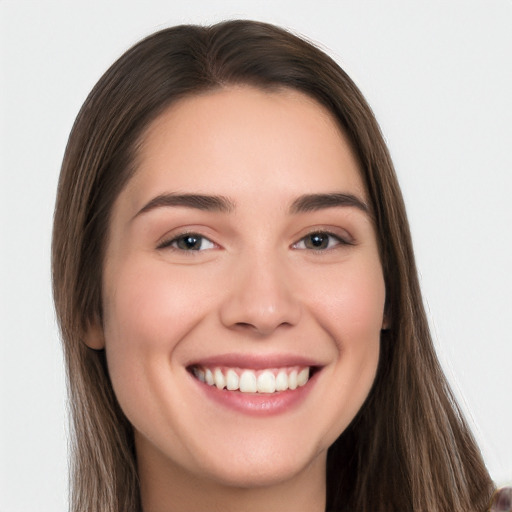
point(502, 500)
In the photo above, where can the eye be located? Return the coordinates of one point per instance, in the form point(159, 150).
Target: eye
point(319, 241)
point(188, 242)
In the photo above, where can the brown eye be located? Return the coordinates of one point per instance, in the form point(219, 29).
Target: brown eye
point(319, 241)
point(189, 242)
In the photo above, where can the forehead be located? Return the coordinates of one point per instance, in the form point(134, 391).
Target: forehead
point(244, 140)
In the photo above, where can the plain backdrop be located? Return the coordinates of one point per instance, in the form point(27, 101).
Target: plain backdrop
point(439, 77)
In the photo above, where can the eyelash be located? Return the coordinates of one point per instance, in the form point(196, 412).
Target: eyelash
point(173, 242)
point(339, 241)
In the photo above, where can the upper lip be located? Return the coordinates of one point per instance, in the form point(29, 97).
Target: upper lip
point(254, 362)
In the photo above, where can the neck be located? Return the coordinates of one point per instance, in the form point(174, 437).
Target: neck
point(166, 487)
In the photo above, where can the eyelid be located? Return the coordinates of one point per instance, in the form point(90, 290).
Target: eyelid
point(168, 241)
point(341, 239)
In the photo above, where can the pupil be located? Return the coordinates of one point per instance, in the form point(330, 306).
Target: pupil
point(318, 240)
point(190, 242)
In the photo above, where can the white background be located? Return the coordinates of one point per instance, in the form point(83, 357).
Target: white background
point(438, 75)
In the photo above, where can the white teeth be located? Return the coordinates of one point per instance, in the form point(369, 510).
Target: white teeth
point(266, 382)
point(303, 377)
point(232, 380)
point(248, 383)
point(282, 381)
point(292, 380)
point(199, 374)
point(218, 378)
point(251, 381)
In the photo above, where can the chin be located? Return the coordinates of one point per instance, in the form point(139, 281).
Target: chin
point(261, 467)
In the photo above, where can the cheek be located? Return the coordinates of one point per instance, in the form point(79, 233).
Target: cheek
point(350, 310)
point(351, 305)
point(149, 306)
point(148, 311)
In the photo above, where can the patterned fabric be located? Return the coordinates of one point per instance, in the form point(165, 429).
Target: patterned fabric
point(502, 500)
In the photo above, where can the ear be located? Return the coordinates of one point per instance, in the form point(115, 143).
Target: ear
point(94, 336)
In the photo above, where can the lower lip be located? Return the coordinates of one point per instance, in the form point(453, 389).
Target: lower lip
point(258, 404)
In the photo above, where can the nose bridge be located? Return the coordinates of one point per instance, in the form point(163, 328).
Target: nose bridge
point(260, 298)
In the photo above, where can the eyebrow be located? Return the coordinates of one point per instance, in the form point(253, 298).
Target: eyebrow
point(197, 201)
point(214, 203)
point(315, 202)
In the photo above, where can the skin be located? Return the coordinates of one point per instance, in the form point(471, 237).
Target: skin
point(256, 287)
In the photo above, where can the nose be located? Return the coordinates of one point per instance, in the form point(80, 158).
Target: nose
point(259, 298)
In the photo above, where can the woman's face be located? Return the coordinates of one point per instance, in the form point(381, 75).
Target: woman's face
point(242, 253)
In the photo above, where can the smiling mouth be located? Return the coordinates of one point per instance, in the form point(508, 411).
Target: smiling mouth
point(264, 381)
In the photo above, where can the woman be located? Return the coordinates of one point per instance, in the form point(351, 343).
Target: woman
point(236, 288)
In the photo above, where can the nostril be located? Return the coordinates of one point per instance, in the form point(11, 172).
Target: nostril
point(245, 325)
point(261, 328)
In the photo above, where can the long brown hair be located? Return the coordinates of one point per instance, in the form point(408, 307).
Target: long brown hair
point(409, 448)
